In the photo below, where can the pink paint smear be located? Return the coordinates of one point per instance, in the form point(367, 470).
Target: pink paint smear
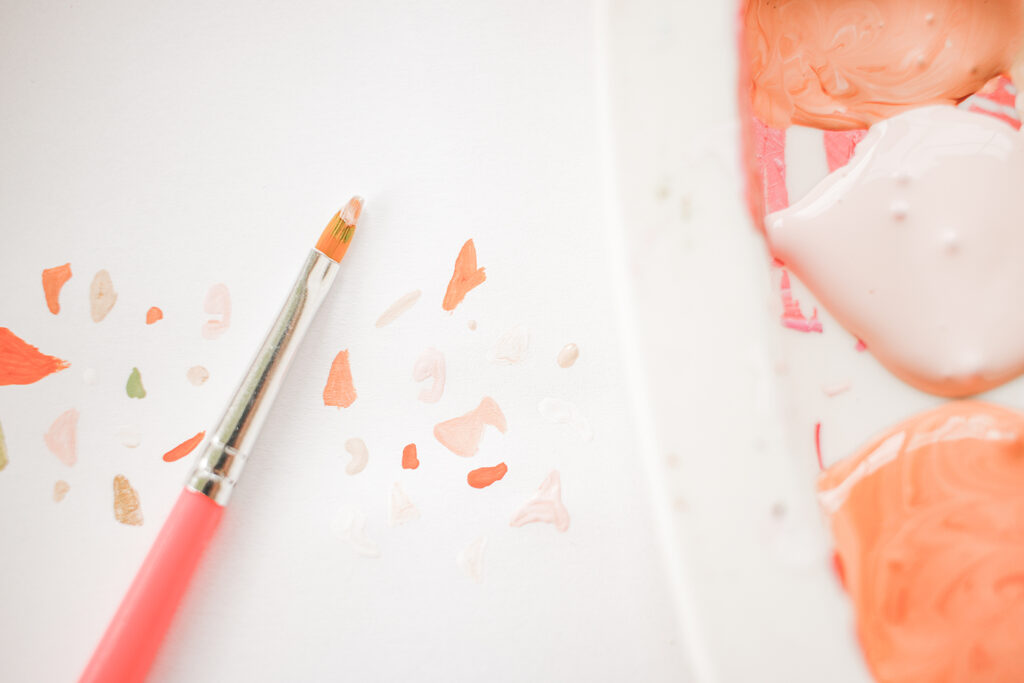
point(545, 506)
point(462, 435)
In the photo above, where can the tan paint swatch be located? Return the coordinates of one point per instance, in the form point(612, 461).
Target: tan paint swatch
point(558, 411)
point(356, 447)
point(218, 306)
point(3, 449)
point(511, 347)
point(430, 365)
point(350, 526)
point(60, 489)
point(197, 374)
point(339, 390)
point(401, 305)
point(102, 296)
point(461, 435)
point(401, 509)
point(471, 559)
point(568, 355)
point(62, 438)
point(545, 506)
point(127, 509)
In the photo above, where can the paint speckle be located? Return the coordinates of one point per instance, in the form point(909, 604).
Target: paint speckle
point(127, 508)
point(184, 448)
point(360, 456)
point(817, 445)
point(511, 347)
point(102, 296)
point(471, 559)
point(567, 356)
point(197, 375)
point(557, 411)
point(400, 306)
point(53, 281)
point(339, 390)
point(471, 324)
point(430, 365)
point(350, 526)
point(545, 506)
point(217, 305)
point(62, 437)
point(485, 476)
point(409, 459)
point(401, 509)
point(835, 388)
point(133, 386)
point(22, 363)
point(128, 436)
point(860, 346)
point(90, 377)
point(154, 314)
point(461, 435)
point(60, 489)
point(465, 277)
point(3, 449)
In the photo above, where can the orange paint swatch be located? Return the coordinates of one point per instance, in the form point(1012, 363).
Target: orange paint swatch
point(409, 459)
point(461, 435)
point(485, 476)
point(22, 363)
point(154, 314)
point(53, 280)
point(339, 390)
point(184, 448)
point(466, 277)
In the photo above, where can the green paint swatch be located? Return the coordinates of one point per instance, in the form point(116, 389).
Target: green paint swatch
point(134, 386)
point(3, 449)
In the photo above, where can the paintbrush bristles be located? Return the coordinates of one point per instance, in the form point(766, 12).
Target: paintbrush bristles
point(334, 240)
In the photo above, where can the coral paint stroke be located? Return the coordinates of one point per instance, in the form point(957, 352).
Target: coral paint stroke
point(409, 459)
point(62, 437)
point(53, 281)
point(840, 146)
point(184, 448)
point(546, 506)
point(22, 363)
point(339, 391)
point(102, 296)
point(485, 476)
point(466, 277)
point(154, 314)
point(462, 435)
point(792, 316)
point(401, 305)
point(430, 365)
point(218, 306)
point(127, 507)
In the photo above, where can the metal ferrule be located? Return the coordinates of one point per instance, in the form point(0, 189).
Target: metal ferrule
point(225, 452)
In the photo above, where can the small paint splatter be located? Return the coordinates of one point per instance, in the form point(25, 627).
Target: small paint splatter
point(197, 375)
point(401, 509)
point(339, 390)
point(360, 456)
point(102, 296)
point(401, 305)
point(860, 346)
point(409, 459)
point(817, 445)
point(127, 508)
point(22, 363)
point(835, 389)
point(184, 448)
point(3, 449)
point(60, 489)
point(350, 526)
point(568, 355)
point(62, 437)
point(430, 365)
point(128, 436)
point(53, 281)
point(545, 506)
point(557, 411)
point(471, 325)
point(792, 316)
point(461, 435)
point(471, 559)
point(154, 314)
point(133, 386)
point(485, 476)
point(90, 377)
point(466, 277)
point(511, 347)
point(217, 305)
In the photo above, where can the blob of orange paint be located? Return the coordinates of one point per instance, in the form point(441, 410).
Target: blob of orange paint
point(409, 459)
point(339, 390)
point(928, 522)
point(485, 476)
point(154, 314)
point(184, 448)
point(53, 280)
point(22, 363)
point(466, 277)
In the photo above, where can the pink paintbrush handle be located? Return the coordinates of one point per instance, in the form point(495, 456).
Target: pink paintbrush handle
point(136, 631)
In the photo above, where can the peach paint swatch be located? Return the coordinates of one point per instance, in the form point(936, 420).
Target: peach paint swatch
point(461, 435)
point(197, 375)
point(217, 305)
point(927, 525)
point(350, 526)
point(401, 509)
point(558, 411)
point(567, 356)
point(3, 449)
point(62, 437)
point(127, 509)
point(471, 559)
point(409, 459)
point(184, 448)
point(154, 314)
point(466, 277)
point(339, 390)
point(401, 305)
point(22, 363)
point(60, 489)
point(102, 296)
point(360, 456)
point(511, 347)
point(430, 365)
point(53, 280)
point(545, 506)
point(485, 476)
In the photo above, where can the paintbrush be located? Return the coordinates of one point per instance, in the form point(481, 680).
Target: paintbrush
point(134, 635)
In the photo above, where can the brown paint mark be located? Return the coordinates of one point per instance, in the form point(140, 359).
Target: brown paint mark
point(154, 314)
point(339, 390)
point(356, 447)
point(102, 296)
point(184, 448)
point(485, 476)
point(461, 435)
point(3, 449)
point(545, 506)
point(218, 305)
point(400, 306)
point(409, 459)
point(568, 355)
point(22, 363)
point(466, 277)
point(62, 437)
point(60, 489)
point(197, 374)
point(53, 280)
point(127, 508)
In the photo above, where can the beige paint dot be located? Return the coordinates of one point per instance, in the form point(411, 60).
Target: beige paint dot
point(568, 355)
point(197, 374)
point(60, 489)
